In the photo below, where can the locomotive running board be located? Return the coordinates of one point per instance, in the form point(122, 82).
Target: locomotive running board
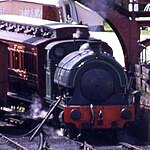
point(16, 96)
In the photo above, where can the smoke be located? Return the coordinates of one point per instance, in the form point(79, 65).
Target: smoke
point(36, 108)
point(97, 5)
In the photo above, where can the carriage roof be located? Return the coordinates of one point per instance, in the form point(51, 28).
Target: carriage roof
point(47, 30)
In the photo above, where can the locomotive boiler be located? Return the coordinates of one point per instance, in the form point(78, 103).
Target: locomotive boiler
point(57, 60)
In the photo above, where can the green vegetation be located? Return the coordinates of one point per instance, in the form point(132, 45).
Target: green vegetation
point(107, 27)
point(145, 94)
point(145, 32)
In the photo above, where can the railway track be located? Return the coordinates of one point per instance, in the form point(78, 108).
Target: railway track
point(86, 146)
point(59, 143)
point(127, 146)
point(12, 143)
point(56, 142)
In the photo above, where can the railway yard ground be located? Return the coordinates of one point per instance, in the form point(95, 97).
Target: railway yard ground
point(17, 137)
point(54, 141)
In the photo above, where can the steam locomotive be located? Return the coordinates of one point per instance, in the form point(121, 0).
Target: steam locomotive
point(57, 60)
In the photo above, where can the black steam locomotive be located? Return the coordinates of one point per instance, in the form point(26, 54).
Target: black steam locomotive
point(56, 60)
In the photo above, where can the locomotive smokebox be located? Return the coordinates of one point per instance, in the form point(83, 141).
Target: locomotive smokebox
point(3, 73)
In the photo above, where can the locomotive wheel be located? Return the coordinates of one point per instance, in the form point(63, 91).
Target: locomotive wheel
point(113, 136)
point(55, 120)
point(71, 131)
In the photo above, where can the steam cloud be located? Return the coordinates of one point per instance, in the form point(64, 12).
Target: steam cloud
point(36, 108)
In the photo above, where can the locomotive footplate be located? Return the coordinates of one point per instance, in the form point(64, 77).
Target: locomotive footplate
point(99, 117)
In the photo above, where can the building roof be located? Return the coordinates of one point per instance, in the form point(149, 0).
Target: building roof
point(57, 3)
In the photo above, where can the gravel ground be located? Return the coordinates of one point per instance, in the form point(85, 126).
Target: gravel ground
point(54, 141)
point(60, 143)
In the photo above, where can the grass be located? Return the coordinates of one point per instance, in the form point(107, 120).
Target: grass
point(145, 32)
point(107, 28)
point(145, 94)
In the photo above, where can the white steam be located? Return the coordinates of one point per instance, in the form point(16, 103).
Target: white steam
point(36, 108)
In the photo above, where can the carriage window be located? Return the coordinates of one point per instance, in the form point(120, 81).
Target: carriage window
point(15, 57)
point(21, 60)
point(15, 60)
point(29, 62)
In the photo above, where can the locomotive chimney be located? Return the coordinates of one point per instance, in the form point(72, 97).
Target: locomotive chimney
point(3, 73)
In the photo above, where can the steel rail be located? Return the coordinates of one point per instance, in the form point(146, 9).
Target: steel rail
point(12, 143)
point(128, 146)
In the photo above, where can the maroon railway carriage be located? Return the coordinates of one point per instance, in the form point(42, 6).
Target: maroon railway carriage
point(27, 56)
